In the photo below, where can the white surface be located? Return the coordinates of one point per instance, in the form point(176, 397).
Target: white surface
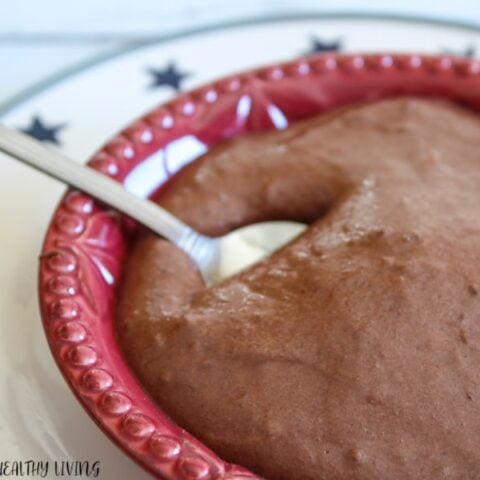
point(26, 62)
point(39, 418)
point(146, 17)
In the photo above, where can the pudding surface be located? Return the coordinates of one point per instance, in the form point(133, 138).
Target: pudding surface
point(354, 351)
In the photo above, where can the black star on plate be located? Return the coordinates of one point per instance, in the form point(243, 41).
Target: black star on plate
point(320, 46)
point(169, 76)
point(42, 132)
point(468, 52)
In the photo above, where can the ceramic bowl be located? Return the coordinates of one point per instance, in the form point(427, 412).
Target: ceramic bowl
point(86, 244)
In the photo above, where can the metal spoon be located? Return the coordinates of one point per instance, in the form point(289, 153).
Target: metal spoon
point(216, 258)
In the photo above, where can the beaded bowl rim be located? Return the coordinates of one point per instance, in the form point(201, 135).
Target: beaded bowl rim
point(133, 422)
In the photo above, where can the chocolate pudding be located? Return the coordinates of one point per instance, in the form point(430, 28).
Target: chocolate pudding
point(354, 351)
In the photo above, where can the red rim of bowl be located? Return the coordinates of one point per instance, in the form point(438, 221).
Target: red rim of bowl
point(86, 243)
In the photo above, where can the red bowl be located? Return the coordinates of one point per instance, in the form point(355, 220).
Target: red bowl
point(86, 244)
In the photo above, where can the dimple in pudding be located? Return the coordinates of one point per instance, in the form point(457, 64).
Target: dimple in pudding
point(354, 351)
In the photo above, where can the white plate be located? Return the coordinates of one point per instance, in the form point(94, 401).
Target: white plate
point(39, 417)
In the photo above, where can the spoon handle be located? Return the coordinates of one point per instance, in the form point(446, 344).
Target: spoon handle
point(101, 187)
